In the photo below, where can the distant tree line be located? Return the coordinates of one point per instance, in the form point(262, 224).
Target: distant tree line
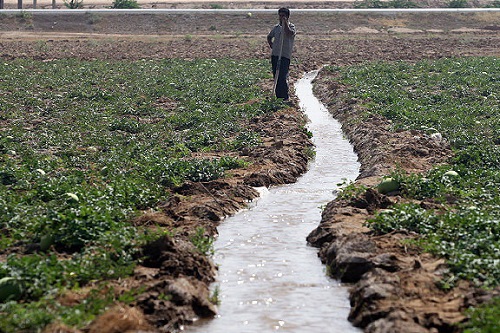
point(410, 4)
point(77, 4)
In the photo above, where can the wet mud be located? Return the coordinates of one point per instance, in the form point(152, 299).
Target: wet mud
point(173, 266)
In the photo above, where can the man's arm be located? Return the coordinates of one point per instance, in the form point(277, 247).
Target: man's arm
point(270, 41)
point(289, 30)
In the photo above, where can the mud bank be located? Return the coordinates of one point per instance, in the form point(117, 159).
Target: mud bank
point(172, 265)
point(394, 285)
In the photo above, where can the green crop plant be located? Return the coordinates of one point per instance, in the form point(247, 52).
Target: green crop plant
point(349, 189)
point(85, 146)
point(73, 4)
point(457, 98)
point(484, 319)
point(202, 242)
point(493, 4)
point(215, 297)
point(458, 4)
point(125, 4)
point(25, 15)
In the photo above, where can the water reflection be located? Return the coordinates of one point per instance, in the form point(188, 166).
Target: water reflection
point(269, 279)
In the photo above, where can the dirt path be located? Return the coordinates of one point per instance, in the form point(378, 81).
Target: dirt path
point(172, 268)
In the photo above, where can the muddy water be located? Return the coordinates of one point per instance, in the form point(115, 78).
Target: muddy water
point(269, 278)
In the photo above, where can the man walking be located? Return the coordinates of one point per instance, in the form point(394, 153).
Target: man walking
point(280, 40)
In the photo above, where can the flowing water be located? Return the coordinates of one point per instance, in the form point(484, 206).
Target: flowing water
point(269, 278)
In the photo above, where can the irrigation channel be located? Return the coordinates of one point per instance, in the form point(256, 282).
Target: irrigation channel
point(269, 278)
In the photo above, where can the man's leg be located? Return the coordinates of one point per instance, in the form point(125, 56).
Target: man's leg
point(274, 63)
point(282, 85)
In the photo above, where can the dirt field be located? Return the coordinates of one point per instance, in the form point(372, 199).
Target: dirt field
point(338, 39)
point(214, 4)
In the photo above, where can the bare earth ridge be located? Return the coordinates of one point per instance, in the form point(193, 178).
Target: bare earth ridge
point(393, 286)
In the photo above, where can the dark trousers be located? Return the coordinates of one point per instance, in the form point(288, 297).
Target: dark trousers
point(282, 84)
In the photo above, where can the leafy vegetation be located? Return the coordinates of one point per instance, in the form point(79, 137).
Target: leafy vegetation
point(85, 147)
point(385, 4)
point(457, 98)
point(73, 4)
point(202, 242)
point(493, 4)
point(216, 6)
point(458, 4)
point(349, 189)
point(484, 319)
point(125, 4)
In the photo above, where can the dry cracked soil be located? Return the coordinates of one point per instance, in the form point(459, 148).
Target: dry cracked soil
point(393, 286)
